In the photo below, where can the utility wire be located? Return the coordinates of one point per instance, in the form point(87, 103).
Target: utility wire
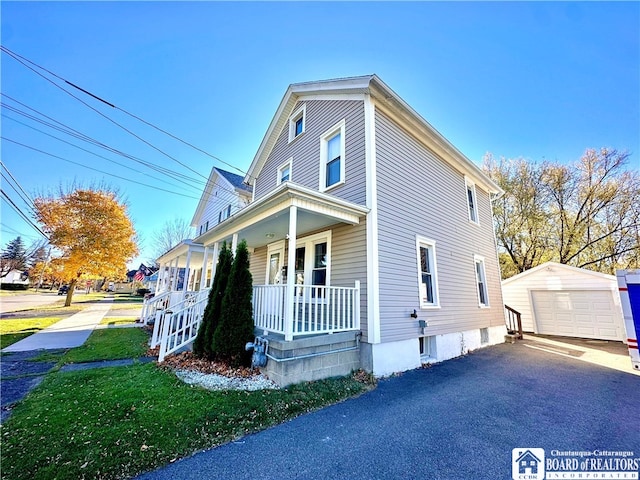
point(92, 153)
point(6, 50)
point(26, 201)
point(79, 135)
point(96, 170)
point(18, 59)
point(25, 196)
point(22, 214)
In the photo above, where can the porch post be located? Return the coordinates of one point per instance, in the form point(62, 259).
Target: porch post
point(160, 276)
point(203, 275)
point(187, 272)
point(214, 262)
point(234, 243)
point(291, 273)
point(174, 282)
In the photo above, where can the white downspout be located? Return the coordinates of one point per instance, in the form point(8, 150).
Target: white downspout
point(291, 274)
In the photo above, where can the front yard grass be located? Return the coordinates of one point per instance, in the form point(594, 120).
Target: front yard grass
point(117, 422)
point(15, 329)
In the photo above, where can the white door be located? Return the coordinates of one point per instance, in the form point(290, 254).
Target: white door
point(577, 313)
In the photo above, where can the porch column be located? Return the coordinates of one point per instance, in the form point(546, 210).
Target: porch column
point(187, 272)
point(214, 262)
point(160, 276)
point(174, 281)
point(203, 276)
point(291, 273)
point(234, 243)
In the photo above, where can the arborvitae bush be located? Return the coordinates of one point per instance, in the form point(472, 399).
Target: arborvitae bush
point(202, 346)
point(236, 316)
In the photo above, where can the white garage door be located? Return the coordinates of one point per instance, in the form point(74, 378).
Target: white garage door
point(584, 314)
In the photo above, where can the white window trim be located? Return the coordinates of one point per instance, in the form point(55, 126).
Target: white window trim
point(431, 245)
point(308, 244)
point(276, 247)
point(477, 259)
point(288, 163)
point(299, 113)
point(337, 128)
point(468, 184)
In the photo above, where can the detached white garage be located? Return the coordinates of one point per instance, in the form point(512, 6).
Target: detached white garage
point(556, 299)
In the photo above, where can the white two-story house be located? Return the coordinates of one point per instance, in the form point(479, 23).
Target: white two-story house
point(371, 237)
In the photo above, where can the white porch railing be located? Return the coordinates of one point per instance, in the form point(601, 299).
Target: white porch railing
point(180, 327)
point(317, 309)
point(153, 305)
point(190, 298)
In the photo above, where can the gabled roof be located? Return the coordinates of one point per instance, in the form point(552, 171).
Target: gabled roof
point(561, 266)
point(236, 180)
point(386, 99)
point(233, 183)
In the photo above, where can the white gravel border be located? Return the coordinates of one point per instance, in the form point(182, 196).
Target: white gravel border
point(212, 381)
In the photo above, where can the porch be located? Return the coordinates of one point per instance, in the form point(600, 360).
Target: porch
point(314, 309)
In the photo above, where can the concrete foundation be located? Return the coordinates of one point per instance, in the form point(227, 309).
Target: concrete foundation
point(311, 358)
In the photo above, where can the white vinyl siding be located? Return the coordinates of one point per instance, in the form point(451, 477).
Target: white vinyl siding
point(319, 117)
point(428, 200)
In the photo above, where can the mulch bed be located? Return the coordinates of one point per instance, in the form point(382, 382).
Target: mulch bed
point(188, 361)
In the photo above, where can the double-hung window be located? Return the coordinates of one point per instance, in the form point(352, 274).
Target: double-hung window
point(481, 281)
point(427, 274)
point(332, 158)
point(472, 202)
point(297, 123)
point(224, 214)
point(284, 171)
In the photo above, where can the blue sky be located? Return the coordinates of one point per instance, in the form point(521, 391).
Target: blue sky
point(541, 80)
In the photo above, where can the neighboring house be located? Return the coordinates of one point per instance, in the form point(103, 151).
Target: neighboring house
point(15, 277)
point(224, 195)
point(371, 238)
point(557, 299)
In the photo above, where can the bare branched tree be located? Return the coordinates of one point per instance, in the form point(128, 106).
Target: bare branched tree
point(585, 214)
point(169, 235)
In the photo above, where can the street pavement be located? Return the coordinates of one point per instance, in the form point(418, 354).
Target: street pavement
point(14, 303)
point(456, 420)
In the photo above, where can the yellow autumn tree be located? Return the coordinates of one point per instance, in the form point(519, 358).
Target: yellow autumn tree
point(92, 231)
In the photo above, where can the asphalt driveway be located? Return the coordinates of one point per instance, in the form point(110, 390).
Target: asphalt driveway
point(456, 420)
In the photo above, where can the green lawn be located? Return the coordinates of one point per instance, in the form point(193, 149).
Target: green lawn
point(113, 423)
point(118, 320)
point(15, 329)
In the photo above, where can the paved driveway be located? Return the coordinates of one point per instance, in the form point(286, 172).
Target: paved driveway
point(456, 420)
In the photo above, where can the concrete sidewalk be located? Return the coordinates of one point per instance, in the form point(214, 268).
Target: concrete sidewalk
point(68, 333)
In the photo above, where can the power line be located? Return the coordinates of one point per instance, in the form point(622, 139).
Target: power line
point(79, 135)
point(22, 214)
point(25, 196)
point(92, 153)
point(6, 50)
point(96, 170)
point(18, 59)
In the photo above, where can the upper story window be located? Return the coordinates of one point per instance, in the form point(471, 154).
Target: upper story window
point(224, 214)
point(332, 159)
point(427, 278)
point(284, 171)
point(297, 123)
point(472, 202)
point(481, 281)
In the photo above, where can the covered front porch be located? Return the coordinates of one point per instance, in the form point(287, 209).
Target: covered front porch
point(300, 286)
